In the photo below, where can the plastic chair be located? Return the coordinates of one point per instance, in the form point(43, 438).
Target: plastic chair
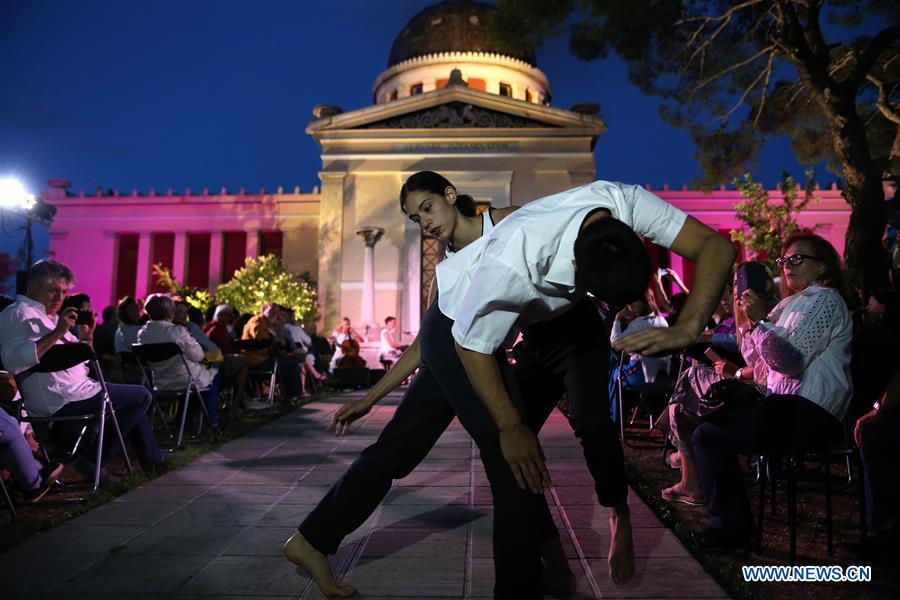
point(65, 356)
point(147, 355)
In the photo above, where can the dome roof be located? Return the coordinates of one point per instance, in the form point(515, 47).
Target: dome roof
point(451, 26)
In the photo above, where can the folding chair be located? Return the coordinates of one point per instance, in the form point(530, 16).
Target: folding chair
point(8, 501)
point(256, 373)
point(149, 354)
point(65, 356)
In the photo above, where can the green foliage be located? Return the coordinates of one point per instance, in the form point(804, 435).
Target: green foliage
point(769, 223)
point(196, 297)
point(266, 279)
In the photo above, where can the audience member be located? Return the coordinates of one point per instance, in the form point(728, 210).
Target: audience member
point(684, 408)
point(16, 455)
point(304, 342)
point(804, 343)
point(877, 433)
point(129, 312)
point(259, 328)
point(170, 374)
point(33, 325)
point(105, 333)
point(221, 329)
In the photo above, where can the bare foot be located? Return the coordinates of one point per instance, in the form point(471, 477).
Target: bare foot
point(301, 553)
point(681, 493)
point(559, 580)
point(621, 548)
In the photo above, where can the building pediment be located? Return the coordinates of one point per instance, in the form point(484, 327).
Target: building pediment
point(457, 107)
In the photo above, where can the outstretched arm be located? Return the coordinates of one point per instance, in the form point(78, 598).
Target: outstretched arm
point(714, 255)
point(351, 411)
point(517, 442)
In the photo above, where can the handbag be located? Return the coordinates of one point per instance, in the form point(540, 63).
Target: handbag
point(723, 397)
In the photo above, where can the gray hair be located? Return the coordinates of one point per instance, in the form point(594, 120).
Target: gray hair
point(44, 271)
point(160, 307)
point(220, 310)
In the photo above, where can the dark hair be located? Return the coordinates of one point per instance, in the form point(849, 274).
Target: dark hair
point(429, 181)
point(122, 309)
point(825, 254)
point(611, 261)
point(109, 314)
point(389, 319)
point(75, 300)
point(678, 301)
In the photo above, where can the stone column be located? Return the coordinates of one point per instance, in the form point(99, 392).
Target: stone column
point(331, 239)
point(252, 248)
point(179, 257)
point(143, 265)
point(370, 236)
point(215, 259)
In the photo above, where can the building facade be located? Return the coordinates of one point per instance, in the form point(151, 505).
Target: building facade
point(448, 102)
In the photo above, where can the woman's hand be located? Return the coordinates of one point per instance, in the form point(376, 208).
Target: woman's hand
point(752, 305)
point(725, 369)
point(347, 414)
point(858, 432)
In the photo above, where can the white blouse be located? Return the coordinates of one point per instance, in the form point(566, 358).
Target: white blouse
point(807, 350)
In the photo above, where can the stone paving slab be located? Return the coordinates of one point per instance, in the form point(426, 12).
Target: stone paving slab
point(214, 528)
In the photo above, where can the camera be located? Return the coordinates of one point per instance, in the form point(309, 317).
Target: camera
point(84, 317)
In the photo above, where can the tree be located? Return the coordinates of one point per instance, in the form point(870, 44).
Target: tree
point(7, 270)
point(196, 297)
point(735, 72)
point(266, 279)
point(767, 223)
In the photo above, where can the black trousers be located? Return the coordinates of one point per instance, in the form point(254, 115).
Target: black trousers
point(439, 392)
point(569, 355)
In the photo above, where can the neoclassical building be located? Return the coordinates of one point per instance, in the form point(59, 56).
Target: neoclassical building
point(449, 102)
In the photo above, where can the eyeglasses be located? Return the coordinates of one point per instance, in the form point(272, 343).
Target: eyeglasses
point(793, 260)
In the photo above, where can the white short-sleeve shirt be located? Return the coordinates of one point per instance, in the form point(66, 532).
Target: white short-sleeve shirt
point(522, 273)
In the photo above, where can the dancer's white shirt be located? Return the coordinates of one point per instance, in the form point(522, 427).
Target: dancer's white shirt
point(522, 272)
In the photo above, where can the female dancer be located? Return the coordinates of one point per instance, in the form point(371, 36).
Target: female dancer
point(523, 526)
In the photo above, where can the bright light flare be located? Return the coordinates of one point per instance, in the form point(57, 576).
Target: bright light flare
point(14, 195)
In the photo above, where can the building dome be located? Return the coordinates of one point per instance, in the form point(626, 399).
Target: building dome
point(451, 26)
point(454, 35)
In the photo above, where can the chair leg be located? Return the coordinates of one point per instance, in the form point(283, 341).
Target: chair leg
point(115, 422)
point(829, 529)
point(761, 475)
point(792, 507)
point(272, 381)
point(8, 501)
point(99, 456)
point(77, 441)
point(157, 412)
point(770, 474)
point(184, 412)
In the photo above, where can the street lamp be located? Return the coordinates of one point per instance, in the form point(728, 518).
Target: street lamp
point(16, 200)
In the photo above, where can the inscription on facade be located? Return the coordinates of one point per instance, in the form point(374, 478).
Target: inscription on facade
point(461, 147)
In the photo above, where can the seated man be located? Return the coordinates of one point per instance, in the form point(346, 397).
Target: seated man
point(30, 327)
point(170, 374)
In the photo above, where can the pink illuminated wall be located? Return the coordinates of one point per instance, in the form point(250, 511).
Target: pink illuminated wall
point(111, 241)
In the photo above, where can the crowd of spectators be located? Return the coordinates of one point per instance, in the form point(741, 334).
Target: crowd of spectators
point(230, 364)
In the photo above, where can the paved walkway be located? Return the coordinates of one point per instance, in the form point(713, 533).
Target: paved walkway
point(214, 529)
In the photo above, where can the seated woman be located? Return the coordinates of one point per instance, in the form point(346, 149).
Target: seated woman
point(129, 323)
point(804, 345)
point(341, 333)
point(684, 403)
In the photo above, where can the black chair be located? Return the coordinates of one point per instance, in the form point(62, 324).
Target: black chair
point(65, 356)
point(844, 451)
point(258, 374)
point(147, 356)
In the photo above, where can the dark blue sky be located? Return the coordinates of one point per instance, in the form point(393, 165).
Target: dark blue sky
point(138, 94)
